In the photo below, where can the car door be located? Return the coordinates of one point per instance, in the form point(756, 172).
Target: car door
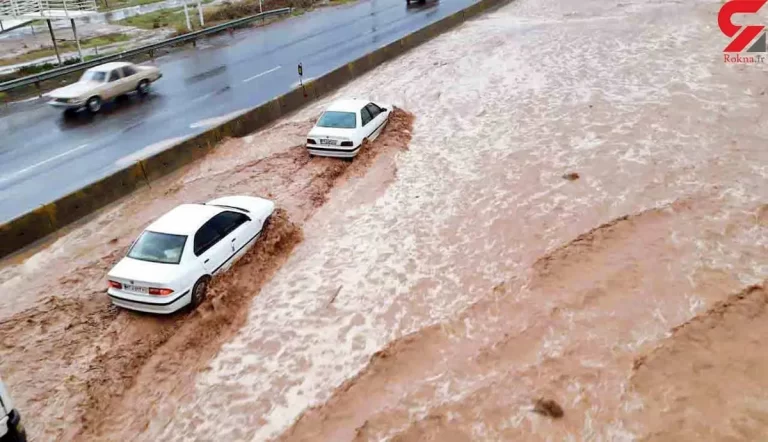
point(114, 85)
point(379, 118)
point(367, 121)
point(237, 229)
point(130, 79)
point(209, 247)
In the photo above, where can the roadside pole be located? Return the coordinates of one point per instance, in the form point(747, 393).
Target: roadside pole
point(186, 15)
point(77, 40)
point(260, 10)
point(200, 10)
point(53, 39)
point(301, 79)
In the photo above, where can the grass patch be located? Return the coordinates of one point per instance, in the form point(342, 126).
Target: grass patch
point(66, 46)
point(111, 5)
point(233, 10)
point(167, 18)
point(227, 11)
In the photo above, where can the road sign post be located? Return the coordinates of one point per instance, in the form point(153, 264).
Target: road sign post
point(301, 79)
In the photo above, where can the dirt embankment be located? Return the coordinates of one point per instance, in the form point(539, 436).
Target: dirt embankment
point(82, 369)
point(707, 380)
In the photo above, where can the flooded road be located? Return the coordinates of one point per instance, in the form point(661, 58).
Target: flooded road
point(578, 216)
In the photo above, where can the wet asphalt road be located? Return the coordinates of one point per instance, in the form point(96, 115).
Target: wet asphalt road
point(44, 155)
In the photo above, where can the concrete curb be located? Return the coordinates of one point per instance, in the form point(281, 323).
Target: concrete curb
point(39, 223)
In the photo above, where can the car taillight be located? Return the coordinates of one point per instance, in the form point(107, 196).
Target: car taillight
point(311, 141)
point(347, 144)
point(114, 284)
point(160, 292)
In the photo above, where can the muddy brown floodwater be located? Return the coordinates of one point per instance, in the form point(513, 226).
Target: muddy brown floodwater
point(573, 246)
point(84, 370)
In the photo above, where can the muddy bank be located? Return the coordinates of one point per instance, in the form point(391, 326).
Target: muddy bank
point(707, 380)
point(84, 370)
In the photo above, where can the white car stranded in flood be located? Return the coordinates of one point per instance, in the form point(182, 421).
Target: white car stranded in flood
point(169, 266)
point(103, 83)
point(344, 126)
point(11, 429)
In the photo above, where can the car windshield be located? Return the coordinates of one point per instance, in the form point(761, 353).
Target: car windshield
point(338, 120)
point(158, 247)
point(94, 76)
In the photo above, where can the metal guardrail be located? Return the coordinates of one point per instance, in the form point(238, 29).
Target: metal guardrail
point(192, 36)
point(20, 9)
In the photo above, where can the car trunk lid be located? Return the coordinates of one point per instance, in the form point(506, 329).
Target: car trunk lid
point(138, 276)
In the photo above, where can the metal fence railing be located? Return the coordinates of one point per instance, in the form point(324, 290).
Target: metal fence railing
point(35, 79)
point(13, 9)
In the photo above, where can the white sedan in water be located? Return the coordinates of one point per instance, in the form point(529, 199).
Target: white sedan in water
point(169, 266)
point(344, 126)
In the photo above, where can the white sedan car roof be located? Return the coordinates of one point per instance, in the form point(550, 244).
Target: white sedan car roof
point(184, 219)
point(352, 105)
point(109, 66)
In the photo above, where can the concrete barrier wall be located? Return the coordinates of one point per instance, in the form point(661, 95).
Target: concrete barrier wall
point(35, 225)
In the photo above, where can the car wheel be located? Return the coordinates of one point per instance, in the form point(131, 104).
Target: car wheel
point(93, 104)
point(143, 87)
point(199, 292)
point(266, 222)
point(16, 432)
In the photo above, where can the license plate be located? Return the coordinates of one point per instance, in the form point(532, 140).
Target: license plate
point(327, 141)
point(135, 289)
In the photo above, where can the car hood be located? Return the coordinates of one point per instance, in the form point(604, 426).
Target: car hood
point(330, 132)
point(144, 272)
point(74, 90)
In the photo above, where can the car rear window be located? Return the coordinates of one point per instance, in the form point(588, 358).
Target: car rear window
point(163, 248)
point(94, 76)
point(338, 120)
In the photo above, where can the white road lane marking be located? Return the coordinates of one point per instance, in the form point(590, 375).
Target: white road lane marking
point(34, 166)
point(263, 73)
point(203, 97)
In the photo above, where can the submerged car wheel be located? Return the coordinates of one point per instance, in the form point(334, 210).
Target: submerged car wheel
point(16, 431)
point(143, 87)
point(199, 291)
point(94, 104)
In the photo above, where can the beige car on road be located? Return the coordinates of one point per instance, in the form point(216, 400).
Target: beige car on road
point(104, 83)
